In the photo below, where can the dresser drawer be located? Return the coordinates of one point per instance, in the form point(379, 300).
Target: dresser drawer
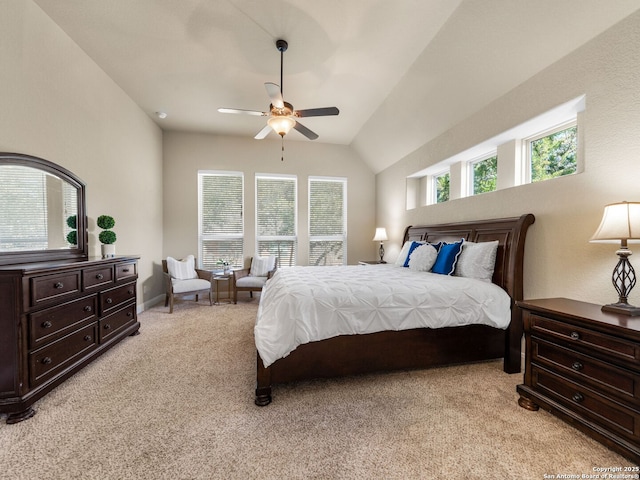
point(94, 278)
point(602, 376)
point(113, 298)
point(64, 352)
point(588, 403)
point(55, 322)
point(595, 343)
point(49, 287)
point(126, 270)
point(114, 323)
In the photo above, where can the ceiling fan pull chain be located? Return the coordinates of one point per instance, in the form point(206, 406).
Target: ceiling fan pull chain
point(282, 154)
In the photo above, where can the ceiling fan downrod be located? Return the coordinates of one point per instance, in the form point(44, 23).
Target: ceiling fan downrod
point(282, 46)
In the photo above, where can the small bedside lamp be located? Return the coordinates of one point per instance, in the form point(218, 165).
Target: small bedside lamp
point(621, 223)
point(381, 236)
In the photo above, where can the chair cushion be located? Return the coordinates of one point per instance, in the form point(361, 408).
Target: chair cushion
point(261, 266)
point(182, 269)
point(190, 285)
point(251, 282)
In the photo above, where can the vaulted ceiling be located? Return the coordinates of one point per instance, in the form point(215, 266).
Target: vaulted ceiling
point(401, 72)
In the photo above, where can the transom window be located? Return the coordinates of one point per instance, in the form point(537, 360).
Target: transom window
point(483, 175)
point(441, 187)
point(552, 154)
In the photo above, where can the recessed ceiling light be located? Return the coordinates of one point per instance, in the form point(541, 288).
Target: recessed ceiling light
point(161, 114)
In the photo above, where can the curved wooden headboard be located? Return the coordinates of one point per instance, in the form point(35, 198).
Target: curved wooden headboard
point(510, 233)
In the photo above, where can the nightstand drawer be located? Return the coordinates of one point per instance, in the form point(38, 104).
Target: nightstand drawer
point(598, 409)
point(605, 378)
point(585, 340)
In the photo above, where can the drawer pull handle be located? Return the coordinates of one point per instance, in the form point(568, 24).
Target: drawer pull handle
point(99, 276)
point(46, 360)
point(58, 285)
point(87, 338)
point(575, 335)
point(46, 324)
point(577, 366)
point(125, 270)
point(109, 301)
point(130, 292)
point(107, 326)
point(88, 308)
point(129, 314)
point(577, 397)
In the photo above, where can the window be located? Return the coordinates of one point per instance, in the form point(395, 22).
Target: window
point(483, 175)
point(327, 221)
point(276, 220)
point(441, 187)
point(552, 154)
point(220, 218)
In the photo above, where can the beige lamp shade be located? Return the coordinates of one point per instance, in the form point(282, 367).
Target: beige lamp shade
point(620, 221)
point(281, 124)
point(381, 235)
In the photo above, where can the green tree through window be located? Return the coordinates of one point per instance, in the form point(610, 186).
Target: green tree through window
point(442, 187)
point(554, 155)
point(485, 175)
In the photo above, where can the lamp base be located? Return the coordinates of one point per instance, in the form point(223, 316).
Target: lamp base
point(622, 308)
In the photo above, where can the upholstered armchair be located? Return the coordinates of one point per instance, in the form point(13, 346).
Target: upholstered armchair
point(181, 278)
point(252, 279)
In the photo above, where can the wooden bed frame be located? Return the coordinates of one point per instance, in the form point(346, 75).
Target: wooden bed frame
point(421, 347)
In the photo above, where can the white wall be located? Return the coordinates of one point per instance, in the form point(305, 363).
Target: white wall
point(186, 153)
point(57, 104)
point(559, 261)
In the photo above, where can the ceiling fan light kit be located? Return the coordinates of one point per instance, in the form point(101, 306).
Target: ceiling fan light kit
point(282, 115)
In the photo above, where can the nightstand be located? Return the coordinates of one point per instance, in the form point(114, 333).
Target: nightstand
point(583, 365)
point(371, 262)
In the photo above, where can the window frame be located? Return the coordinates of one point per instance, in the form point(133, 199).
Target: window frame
point(320, 238)
point(434, 185)
point(471, 173)
point(293, 237)
point(219, 237)
point(526, 147)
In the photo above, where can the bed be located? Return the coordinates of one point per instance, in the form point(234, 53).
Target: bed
point(399, 349)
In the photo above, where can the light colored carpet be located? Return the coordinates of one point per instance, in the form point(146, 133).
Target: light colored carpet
point(176, 402)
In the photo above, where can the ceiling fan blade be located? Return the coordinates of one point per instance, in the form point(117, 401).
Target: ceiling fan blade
point(317, 112)
point(263, 133)
point(275, 95)
point(246, 112)
point(305, 131)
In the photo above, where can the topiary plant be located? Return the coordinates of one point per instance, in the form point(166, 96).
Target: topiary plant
point(72, 221)
point(107, 236)
point(72, 237)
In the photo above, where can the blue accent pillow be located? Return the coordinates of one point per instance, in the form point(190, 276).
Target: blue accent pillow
point(413, 246)
point(447, 258)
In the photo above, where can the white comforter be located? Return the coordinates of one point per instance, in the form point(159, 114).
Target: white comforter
point(304, 304)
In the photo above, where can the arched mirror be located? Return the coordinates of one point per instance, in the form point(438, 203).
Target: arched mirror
point(42, 211)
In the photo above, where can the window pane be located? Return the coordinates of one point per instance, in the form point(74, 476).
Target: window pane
point(485, 175)
point(554, 155)
point(326, 252)
point(327, 222)
point(285, 250)
point(276, 205)
point(442, 188)
point(221, 226)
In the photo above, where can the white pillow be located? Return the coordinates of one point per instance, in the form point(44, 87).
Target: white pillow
point(477, 260)
point(261, 266)
point(184, 269)
point(402, 258)
point(423, 258)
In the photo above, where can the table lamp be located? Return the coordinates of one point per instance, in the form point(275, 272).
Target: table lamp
point(381, 236)
point(621, 223)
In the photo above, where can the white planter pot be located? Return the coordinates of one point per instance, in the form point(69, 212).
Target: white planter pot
point(108, 251)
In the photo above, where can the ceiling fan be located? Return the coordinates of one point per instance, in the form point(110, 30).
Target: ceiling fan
point(282, 115)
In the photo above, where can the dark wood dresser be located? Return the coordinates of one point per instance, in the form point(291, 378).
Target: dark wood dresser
point(583, 365)
point(55, 318)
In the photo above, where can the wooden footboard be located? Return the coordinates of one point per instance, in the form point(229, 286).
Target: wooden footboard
point(423, 347)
